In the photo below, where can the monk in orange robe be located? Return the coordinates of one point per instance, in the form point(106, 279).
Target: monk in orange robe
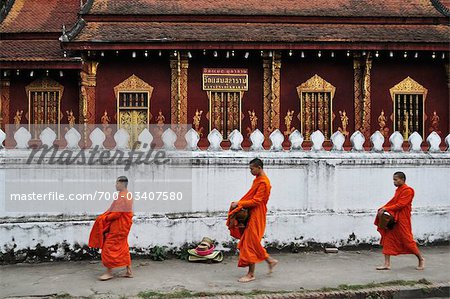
point(255, 200)
point(110, 232)
point(399, 239)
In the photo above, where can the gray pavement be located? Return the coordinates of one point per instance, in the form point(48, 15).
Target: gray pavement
point(310, 271)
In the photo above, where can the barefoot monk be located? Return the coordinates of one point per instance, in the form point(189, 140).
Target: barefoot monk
point(110, 232)
point(255, 200)
point(397, 237)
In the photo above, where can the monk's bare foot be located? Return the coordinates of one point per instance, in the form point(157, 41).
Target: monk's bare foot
point(246, 278)
point(106, 276)
point(384, 268)
point(128, 275)
point(421, 265)
point(272, 265)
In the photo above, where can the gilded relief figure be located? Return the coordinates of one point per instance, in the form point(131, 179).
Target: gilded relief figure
point(288, 122)
point(160, 120)
point(382, 123)
point(70, 118)
point(18, 118)
point(253, 122)
point(105, 123)
point(196, 122)
point(435, 123)
point(344, 123)
point(105, 119)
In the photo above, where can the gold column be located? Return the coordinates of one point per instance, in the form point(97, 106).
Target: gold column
point(88, 82)
point(357, 88)
point(4, 102)
point(271, 66)
point(447, 71)
point(179, 64)
point(366, 130)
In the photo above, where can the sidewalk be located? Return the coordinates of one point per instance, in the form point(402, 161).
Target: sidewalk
point(295, 272)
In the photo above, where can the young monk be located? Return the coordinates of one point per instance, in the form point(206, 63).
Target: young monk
point(110, 232)
point(250, 249)
point(399, 239)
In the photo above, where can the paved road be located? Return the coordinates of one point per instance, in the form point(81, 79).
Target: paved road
point(295, 271)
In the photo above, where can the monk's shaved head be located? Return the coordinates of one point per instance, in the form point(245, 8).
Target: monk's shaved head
point(400, 175)
point(123, 179)
point(257, 162)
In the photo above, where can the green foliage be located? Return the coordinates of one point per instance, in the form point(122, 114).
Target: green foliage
point(158, 253)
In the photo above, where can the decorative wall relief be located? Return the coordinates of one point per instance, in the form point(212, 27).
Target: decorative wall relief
point(196, 122)
point(435, 124)
point(18, 119)
point(344, 123)
point(384, 130)
point(288, 122)
point(253, 122)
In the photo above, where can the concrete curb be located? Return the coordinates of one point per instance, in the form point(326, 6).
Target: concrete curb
point(390, 292)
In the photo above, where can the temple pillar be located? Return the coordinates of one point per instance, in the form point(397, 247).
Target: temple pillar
point(366, 129)
point(357, 89)
point(88, 83)
point(4, 101)
point(447, 72)
point(271, 94)
point(179, 64)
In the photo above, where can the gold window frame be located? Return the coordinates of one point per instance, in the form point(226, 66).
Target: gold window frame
point(133, 84)
point(408, 86)
point(45, 84)
point(316, 84)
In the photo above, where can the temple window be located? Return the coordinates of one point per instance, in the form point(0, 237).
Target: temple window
point(44, 105)
point(316, 98)
point(225, 110)
point(133, 106)
point(408, 99)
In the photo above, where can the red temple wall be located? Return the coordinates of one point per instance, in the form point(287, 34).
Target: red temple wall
point(252, 99)
point(338, 72)
point(19, 98)
point(430, 74)
point(154, 71)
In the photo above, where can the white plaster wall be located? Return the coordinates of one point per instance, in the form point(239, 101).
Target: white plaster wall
point(316, 197)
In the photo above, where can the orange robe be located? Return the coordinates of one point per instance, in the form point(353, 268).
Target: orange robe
point(399, 239)
point(250, 249)
point(110, 232)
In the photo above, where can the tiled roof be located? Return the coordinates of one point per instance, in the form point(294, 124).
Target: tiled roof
point(352, 8)
point(31, 50)
point(260, 32)
point(40, 16)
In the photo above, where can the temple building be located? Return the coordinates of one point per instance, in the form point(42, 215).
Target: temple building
point(323, 65)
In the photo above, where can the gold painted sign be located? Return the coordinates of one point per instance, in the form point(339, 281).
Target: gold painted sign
point(218, 79)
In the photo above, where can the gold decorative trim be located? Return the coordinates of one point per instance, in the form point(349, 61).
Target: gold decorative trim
point(316, 84)
point(358, 91)
point(133, 84)
point(409, 86)
point(178, 92)
point(367, 97)
point(271, 91)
